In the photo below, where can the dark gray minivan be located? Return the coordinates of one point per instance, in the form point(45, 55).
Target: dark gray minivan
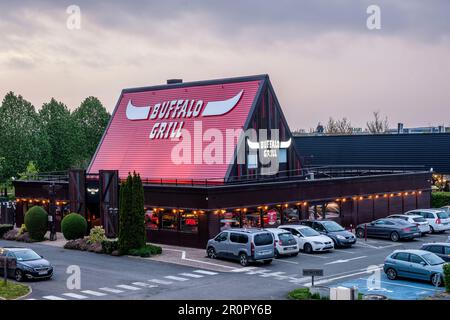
point(245, 245)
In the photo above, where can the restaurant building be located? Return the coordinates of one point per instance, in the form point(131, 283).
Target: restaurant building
point(212, 155)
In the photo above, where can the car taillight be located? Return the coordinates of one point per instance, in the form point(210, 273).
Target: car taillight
point(438, 221)
point(407, 229)
point(252, 248)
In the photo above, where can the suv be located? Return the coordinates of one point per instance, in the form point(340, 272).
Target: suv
point(245, 245)
point(340, 236)
point(437, 218)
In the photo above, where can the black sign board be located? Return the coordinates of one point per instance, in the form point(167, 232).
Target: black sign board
point(313, 272)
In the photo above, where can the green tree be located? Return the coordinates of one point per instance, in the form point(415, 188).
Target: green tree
point(22, 138)
point(132, 234)
point(90, 120)
point(30, 170)
point(57, 125)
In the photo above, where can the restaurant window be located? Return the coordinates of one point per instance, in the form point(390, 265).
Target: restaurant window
point(328, 210)
point(291, 215)
point(170, 220)
point(252, 219)
point(229, 220)
point(152, 219)
point(271, 218)
point(189, 222)
point(282, 155)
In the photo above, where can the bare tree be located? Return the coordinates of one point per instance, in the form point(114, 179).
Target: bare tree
point(338, 126)
point(378, 125)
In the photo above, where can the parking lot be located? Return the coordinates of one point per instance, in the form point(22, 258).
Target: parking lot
point(342, 267)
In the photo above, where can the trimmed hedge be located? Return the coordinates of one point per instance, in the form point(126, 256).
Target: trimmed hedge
point(145, 251)
point(36, 222)
point(73, 226)
point(440, 199)
point(4, 228)
point(447, 277)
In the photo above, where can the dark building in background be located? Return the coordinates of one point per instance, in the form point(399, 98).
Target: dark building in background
point(425, 150)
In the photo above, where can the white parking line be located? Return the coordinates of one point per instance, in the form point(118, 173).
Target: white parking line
point(286, 261)
point(94, 293)
point(345, 260)
point(345, 251)
point(209, 273)
point(272, 274)
point(176, 278)
point(191, 275)
point(160, 281)
point(74, 295)
point(312, 255)
point(259, 271)
point(244, 269)
point(340, 277)
point(127, 287)
point(111, 290)
point(143, 284)
point(300, 280)
point(53, 298)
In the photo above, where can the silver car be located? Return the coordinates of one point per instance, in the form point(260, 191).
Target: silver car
point(244, 245)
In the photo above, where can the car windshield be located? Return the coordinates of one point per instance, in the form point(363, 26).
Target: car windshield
point(442, 215)
point(432, 259)
point(332, 226)
point(285, 236)
point(26, 255)
point(308, 232)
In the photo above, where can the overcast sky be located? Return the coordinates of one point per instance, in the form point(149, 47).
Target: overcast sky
point(321, 58)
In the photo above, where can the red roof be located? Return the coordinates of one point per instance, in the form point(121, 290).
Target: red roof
point(132, 143)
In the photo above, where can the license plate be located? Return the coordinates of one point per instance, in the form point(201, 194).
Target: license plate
point(265, 252)
point(290, 248)
point(41, 273)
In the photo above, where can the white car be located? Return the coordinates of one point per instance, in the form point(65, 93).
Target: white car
point(439, 220)
point(285, 243)
point(308, 239)
point(418, 220)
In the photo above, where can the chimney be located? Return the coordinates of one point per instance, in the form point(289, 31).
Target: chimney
point(400, 128)
point(174, 81)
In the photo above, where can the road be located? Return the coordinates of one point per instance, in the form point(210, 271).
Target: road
point(107, 277)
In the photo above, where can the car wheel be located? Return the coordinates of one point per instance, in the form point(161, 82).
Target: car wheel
point(243, 259)
point(277, 254)
point(360, 233)
point(18, 275)
point(267, 261)
point(212, 253)
point(436, 280)
point(307, 248)
point(391, 274)
point(431, 229)
point(394, 236)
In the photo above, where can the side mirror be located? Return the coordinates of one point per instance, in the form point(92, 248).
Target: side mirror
point(423, 263)
point(41, 256)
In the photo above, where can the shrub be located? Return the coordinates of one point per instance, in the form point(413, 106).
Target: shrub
point(447, 277)
point(145, 251)
point(440, 199)
point(36, 220)
point(305, 294)
point(73, 226)
point(23, 229)
point(97, 234)
point(109, 246)
point(4, 228)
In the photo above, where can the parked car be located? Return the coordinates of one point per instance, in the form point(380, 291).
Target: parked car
point(29, 265)
point(393, 229)
point(418, 220)
point(245, 245)
point(285, 243)
point(414, 264)
point(446, 209)
point(308, 239)
point(337, 233)
point(438, 219)
point(441, 249)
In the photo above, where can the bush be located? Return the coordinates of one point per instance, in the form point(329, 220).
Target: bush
point(97, 234)
point(109, 246)
point(4, 228)
point(447, 277)
point(36, 220)
point(145, 251)
point(23, 229)
point(440, 199)
point(73, 226)
point(305, 294)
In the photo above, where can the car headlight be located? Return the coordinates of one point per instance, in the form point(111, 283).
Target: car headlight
point(340, 237)
point(27, 268)
point(317, 242)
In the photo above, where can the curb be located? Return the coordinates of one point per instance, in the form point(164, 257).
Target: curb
point(30, 291)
